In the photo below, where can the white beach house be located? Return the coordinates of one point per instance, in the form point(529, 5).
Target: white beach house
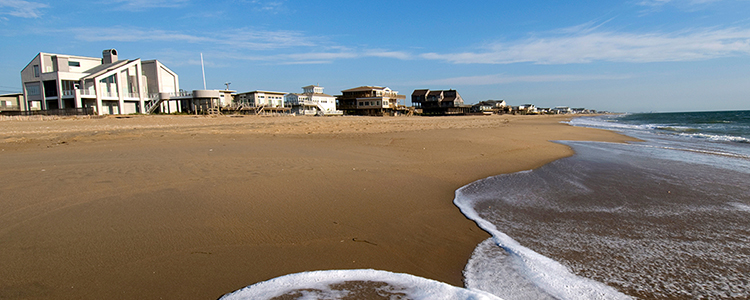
point(107, 85)
point(312, 101)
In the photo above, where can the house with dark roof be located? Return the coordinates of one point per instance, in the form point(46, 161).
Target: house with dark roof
point(439, 102)
point(371, 101)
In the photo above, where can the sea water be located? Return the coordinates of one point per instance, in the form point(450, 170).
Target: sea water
point(668, 217)
point(664, 218)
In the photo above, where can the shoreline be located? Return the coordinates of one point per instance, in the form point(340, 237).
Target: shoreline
point(198, 207)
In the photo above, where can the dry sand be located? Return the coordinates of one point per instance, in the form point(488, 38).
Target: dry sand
point(184, 207)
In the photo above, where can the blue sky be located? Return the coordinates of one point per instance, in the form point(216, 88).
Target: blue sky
point(627, 56)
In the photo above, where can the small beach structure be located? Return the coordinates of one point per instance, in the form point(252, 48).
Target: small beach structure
point(12, 103)
point(371, 101)
point(260, 102)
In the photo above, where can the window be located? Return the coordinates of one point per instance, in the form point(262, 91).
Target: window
point(32, 89)
point(74, 64)
point(36, 70)
point(50, 88)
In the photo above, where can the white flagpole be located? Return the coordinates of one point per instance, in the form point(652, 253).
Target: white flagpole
point(204, 72)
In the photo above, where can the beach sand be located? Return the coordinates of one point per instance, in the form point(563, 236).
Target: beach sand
point(186, 207)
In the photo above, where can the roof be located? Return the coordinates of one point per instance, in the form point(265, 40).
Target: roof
point(321, 94)
point(420, 92)
point(265, 92)
point(435, 93)
point(490, 102)
point(100, 69)
point(364, 88)
point(65, 55)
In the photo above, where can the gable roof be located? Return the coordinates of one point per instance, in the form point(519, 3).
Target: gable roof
point(104, 68)
point(364, 88)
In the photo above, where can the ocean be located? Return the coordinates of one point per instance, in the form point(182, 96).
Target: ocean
point(664, 218)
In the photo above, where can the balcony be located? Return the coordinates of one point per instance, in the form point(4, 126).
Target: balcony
point(110, 95)
point(68, 93)
point(88, 93)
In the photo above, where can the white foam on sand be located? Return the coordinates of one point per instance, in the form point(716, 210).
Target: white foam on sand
point(322, 285)
point(548, 275)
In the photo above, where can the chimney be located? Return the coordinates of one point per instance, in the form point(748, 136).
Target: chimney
point(109, 56)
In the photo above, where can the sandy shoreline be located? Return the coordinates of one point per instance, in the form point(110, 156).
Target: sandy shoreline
point(193, 207)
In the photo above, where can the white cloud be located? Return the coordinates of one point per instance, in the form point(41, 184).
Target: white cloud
point(21, 8)
point(317, 57)
point(652, 6)
point(136, 5)
point(269, 6)
point(241, 38)
point(388, 54)
point(610, 46)
point(505, 79)
point(656, 3)
point(290, 47)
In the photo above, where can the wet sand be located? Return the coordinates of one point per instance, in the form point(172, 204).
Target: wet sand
point(192, 207)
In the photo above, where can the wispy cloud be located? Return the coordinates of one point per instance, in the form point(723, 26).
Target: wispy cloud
point(137, 5)
point(652, 6)
point(388, 54)
point(21, 8)
point(317, 57)
point(657, 3)
point(286, 47)
point(266, 6)
point(505, 79)
point(591, 46)
point(269, 6)
point(242, 38)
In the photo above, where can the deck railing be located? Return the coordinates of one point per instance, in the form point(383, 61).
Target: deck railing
point(55, 112)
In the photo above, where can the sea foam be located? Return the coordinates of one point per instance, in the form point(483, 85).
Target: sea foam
point(548, 276)
point(339, 284)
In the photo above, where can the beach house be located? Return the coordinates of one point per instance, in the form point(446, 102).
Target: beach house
point(491, 107)
point(562, 110)
point(106, 85)
point(312, 101)
point(526, 109)
point(12, 103)
point(261, 98)
point(371, 100)
point(439, 102)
